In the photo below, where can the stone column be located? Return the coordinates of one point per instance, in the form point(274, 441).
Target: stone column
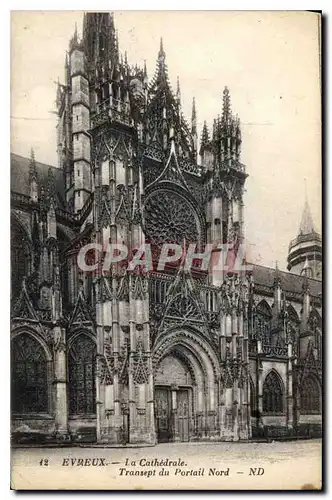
point(259, 385)
point(60, 384)
point(289, 394)
point(174, 413)
point(235, 392)
point(99, 402)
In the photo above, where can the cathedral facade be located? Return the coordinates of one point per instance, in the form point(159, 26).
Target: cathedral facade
point(178, 354)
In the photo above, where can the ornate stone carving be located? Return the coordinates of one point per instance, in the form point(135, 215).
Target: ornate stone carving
point(140, 367)
point(169, 218)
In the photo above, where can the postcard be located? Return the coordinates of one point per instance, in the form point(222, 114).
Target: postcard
point(166, 250)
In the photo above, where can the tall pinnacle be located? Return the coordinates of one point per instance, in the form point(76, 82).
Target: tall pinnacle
point(178, 91)
point(51, 192)
point(193, 118)
point(161, 54)
point(32, 166)
point(205, 135)
point(226, 111)
point(161, 72)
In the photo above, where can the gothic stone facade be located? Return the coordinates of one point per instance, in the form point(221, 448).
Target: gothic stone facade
point(126, 357)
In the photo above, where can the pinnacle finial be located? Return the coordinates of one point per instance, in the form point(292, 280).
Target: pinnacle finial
point(178, 91)
point(161, 49)
point(161, 66)
point(205, 139)
point(193, 113)
point(277, 280)
point(226, 111)
point(145, 70)
point(214, 130)
point(32, 155)
point(205, 135)
point(193, 118)
point(51, 184)
point(112, 20)
point(32, 166)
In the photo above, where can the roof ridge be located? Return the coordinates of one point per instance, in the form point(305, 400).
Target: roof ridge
point(37, 162)
point(287, 273)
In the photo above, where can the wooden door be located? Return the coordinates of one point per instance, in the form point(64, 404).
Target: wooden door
point(162, 414)
point(183, 414)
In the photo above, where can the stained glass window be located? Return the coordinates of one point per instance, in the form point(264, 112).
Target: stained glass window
point(82, 391)
point(29, 376)
point(272, 394)
point(310, 396)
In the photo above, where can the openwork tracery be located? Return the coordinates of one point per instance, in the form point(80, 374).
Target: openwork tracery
point(273, 394)
point(169, 218)
point(29, 375)
point(310, 395)
point(82, 400)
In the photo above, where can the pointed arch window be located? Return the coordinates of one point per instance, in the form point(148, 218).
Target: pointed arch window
point(81, 365)
point(273, 394)
point(263, 322)
point(29, 376)
point(310, 396)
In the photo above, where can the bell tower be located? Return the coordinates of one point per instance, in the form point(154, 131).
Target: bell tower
point(124, 370)
point(305, 251)
point(225, 178)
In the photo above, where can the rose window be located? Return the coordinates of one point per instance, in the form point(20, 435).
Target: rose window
point(169, 218)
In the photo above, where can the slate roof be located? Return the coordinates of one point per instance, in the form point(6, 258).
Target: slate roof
point(289, 282)
point(19, 177)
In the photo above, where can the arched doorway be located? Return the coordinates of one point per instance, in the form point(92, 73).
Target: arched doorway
point(186, 389)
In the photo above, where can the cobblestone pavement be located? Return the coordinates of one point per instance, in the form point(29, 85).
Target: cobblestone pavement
point(275, 465)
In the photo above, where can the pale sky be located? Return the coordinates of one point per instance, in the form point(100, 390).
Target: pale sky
point(269, 61)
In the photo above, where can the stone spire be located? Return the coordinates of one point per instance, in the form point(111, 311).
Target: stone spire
point(307, 225)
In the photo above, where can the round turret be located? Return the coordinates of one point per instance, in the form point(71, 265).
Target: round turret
point(305, 251)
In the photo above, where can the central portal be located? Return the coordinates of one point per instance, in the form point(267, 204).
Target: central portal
point(172, 413)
